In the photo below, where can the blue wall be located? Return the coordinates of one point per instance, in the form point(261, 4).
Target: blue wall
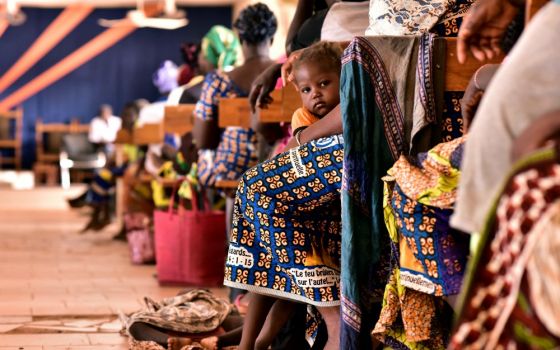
point(120, 74)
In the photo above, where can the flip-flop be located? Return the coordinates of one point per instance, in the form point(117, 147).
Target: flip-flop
point(238, 302)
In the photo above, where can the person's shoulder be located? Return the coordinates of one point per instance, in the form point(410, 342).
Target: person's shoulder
point(115, 119)
point(218, 82)
point(298, 112)
point(216, 75)
point(95, 120)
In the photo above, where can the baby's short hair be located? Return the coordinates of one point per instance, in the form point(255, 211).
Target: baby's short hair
point(323, 53)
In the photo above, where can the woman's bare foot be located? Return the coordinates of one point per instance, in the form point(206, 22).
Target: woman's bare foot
point(175, 343)
point(210, 343)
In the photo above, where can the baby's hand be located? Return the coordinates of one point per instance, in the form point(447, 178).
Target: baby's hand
point(287, 76)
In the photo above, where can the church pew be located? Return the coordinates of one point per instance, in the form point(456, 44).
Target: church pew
point(178, 119)
point(11, 130)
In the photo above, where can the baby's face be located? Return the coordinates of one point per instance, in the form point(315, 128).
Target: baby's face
point(318, 88)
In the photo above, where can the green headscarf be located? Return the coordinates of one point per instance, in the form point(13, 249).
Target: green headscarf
point(220, 47)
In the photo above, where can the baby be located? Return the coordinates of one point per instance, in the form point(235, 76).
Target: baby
point(316, 75)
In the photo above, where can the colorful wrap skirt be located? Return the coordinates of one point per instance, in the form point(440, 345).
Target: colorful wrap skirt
point(285, 238)
point(428, 258)
point(236, 153)
point(510, 298)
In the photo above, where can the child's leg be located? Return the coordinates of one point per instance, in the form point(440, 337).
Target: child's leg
point(229, 215)
point(233, 325)
point(232, 322)
point(231, 338)
point(279, 314)
point(94, 218)
point(256, 315)
point(145, 332)
point(331, 316)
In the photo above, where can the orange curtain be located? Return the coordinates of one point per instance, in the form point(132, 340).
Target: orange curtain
point(55, 32)
point(82, 55)
point(3, 26)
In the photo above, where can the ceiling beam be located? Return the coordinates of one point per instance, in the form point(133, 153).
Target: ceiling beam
point(66, 21)
point(3, 26)
point(117, 3)
point(68, 64)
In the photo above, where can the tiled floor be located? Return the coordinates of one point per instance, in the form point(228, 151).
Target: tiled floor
point(52, 276)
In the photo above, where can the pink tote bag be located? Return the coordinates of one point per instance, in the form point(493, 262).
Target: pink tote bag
point(190, 245)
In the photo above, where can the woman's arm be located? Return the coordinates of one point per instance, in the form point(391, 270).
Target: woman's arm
point(304, 10)
point(265, 83)
point(329, 125)
point(270, 131)
point(475, 90)
point(536, 135)
point(206, 133)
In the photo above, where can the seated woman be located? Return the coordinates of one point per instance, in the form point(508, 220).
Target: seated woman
point(317, 75)
point(229, 153)
point(292, 201)
point(510, 298)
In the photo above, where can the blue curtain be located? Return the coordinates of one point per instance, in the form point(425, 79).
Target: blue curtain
point(120, 74)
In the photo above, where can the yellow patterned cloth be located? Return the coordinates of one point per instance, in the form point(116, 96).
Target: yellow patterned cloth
point(435, 182)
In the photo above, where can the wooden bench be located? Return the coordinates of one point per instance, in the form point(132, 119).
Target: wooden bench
point(178, 119)
point(237, 112)
point(10, 136)
point(144, 135)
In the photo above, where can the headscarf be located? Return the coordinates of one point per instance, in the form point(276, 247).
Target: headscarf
point(220, 47)
point(187, 71)
point(165, 78)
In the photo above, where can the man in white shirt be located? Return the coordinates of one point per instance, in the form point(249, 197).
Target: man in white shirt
point(103, 128)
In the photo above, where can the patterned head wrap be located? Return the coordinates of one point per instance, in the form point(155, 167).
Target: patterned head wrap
point(220, 47)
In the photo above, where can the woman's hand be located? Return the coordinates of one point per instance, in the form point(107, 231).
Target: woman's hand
point(263, 86)
point(474, 92)
point(537, 135)
point(483, 28)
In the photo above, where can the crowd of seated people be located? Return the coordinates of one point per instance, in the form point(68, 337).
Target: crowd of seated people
point(393, 218)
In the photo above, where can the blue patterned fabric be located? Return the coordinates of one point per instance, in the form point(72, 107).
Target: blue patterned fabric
point(102, 186)
point(452, 120)
point(285, 239)
point(237, 150)
point(435, 255)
